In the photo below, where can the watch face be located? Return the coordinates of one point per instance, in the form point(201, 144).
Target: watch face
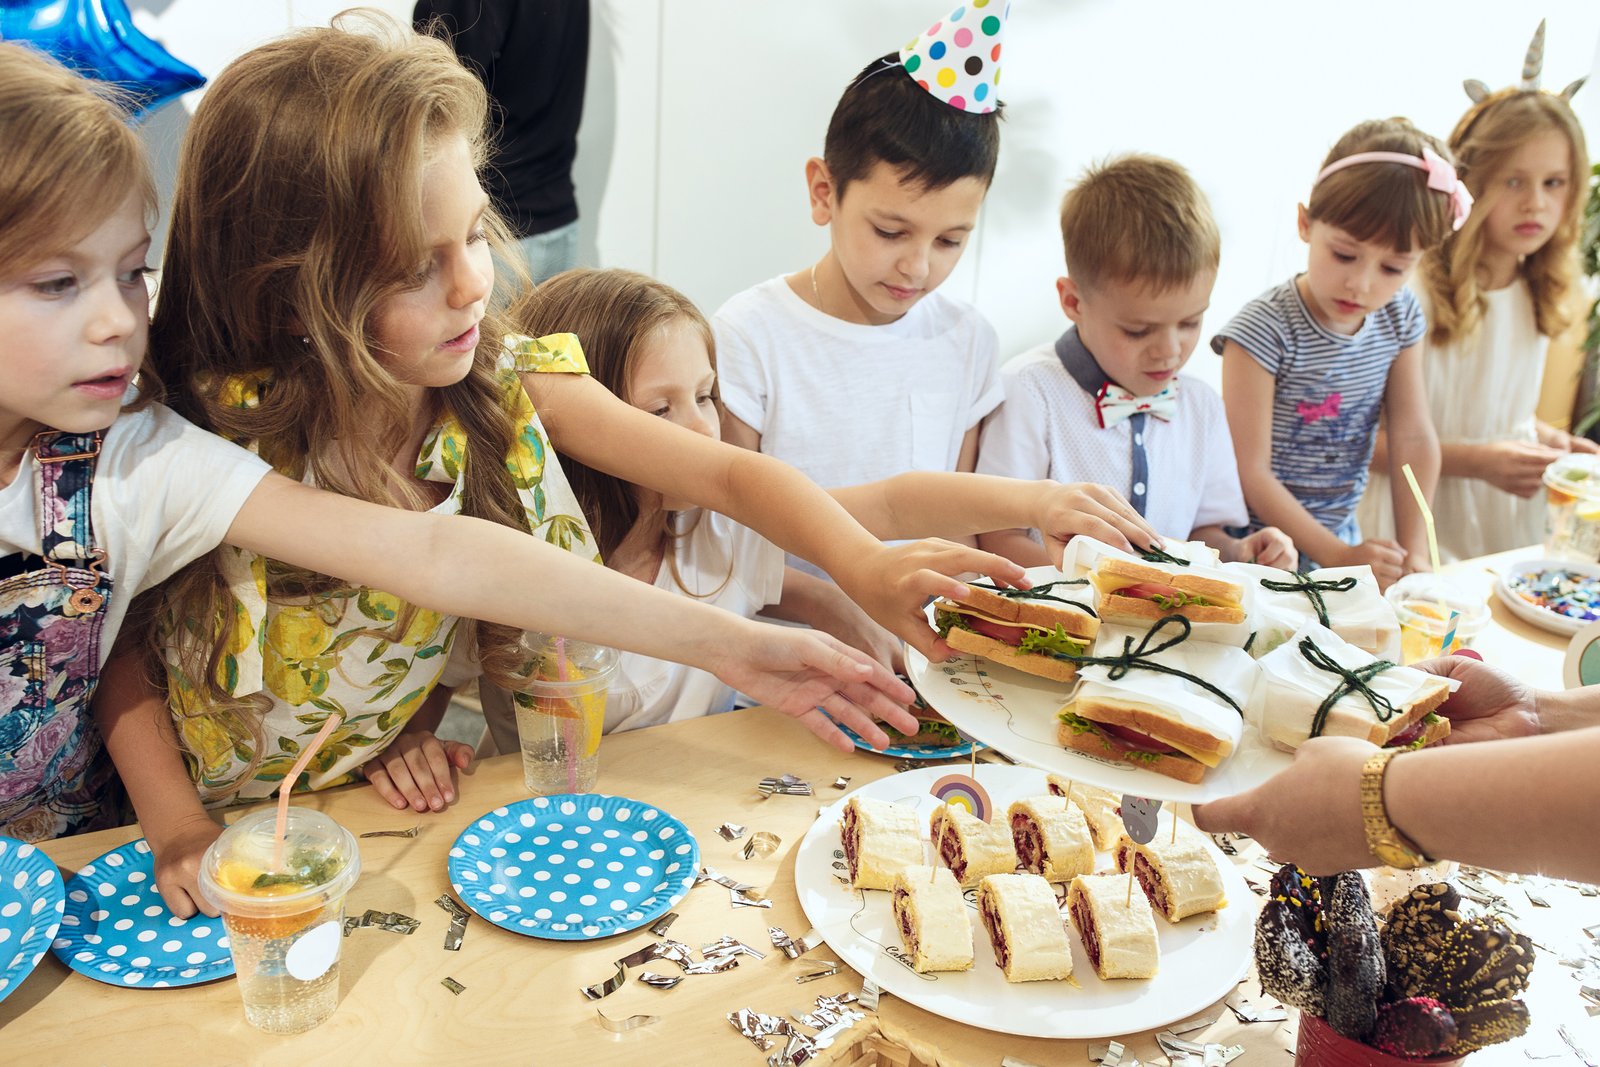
point(1395, 855)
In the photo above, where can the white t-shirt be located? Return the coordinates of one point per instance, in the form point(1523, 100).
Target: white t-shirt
point(164, 494)
point(743, 573)
point(1047, 428)
point(847, 403)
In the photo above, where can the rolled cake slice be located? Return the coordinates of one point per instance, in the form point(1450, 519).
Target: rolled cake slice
point(880, 840)
point(969, 846)
point(1180, 877)
point(931, 915)
point(1118, 928)
point(1101, 810)
point(1051, 838)
point(1026, 929)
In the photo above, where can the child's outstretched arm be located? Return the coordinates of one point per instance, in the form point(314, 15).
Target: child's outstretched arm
point(823, 606)
point(953, 504)
point(1410, 439)
point(1248, 390)
point(133, 718)
point(418, 769)
point(891, 582)
point(465, 566)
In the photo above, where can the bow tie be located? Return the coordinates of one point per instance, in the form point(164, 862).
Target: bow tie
point(1114, 404)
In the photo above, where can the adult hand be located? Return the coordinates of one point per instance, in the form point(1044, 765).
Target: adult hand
point(418, 770)
point(1097, 511)
point(1490, 705)
point(1517, 467)
point(1581, 444)
point(894, 584)
point(1270, 547)
point(799, 671)
point(176, 852)
point(1308, 813)
point(1386, 558)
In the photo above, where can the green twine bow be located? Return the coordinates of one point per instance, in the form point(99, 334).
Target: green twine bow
point(1152, 554)
point(1350, 681)
point(1042, 592)
point(1313, 588)
point(1140, 658)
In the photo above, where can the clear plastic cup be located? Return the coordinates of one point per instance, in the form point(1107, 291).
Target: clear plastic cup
point(1423, 603)
point(561, 713)
point(285, 920)
point(1572, 516)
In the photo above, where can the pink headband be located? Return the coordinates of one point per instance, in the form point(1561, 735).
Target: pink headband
point(1441, 176)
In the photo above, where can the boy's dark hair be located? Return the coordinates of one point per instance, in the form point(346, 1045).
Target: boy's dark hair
point(885, 116)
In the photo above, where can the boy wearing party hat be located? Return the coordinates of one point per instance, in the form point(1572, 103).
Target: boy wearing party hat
point(854, 369)
point(1104, 401)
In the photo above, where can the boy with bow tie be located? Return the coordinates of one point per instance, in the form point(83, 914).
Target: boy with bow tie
point(1104, 401)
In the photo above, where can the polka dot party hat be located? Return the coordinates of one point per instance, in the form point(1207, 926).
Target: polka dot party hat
point(958, 59)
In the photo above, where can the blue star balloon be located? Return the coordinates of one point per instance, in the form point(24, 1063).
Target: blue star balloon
point(98, 39)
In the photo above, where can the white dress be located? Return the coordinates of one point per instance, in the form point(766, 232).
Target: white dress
point(1484, 388)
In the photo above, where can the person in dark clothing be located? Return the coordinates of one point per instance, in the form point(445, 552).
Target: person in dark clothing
point(533, 58)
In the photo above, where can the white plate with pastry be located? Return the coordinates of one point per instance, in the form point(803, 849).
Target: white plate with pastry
point(1196, 961)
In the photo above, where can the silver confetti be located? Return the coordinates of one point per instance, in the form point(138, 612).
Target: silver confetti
point(743, 899)
point(1224, 842)
point(395, 833)
point(351, 922)
point(454, 986)
point(841, 782)
point(1535, 899)
point(453, 936)
point(786, 785)
point(1593, 931)
point(713, 966)
point(820, 969)
point(1012, 1061)
point(729, 946)
point(676, 951)
point(759, 1028)
point(1203, 1021)
point(1577, 1050)
point(1586, 889)
point(1265, 1010)
point(761, 844)
point(798, 1050)
point(730, 831)
point(1211, 1055)
point(870, 994)
point(663, 924)
point(622, 1026)
point(660, 981)
point(448, 903)
point(1112, 1054)
point(392, 921)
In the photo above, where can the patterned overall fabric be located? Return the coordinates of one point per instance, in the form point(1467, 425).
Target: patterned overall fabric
point(360, 652)
point(55, 776)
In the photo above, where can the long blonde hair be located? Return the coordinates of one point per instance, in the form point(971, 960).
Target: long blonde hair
point(1483, 141)
point(298, 215)
point(69, 159)
point(615, 313)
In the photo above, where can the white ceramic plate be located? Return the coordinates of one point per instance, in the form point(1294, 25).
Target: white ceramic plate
point(1543, 618)
point(1202, 958)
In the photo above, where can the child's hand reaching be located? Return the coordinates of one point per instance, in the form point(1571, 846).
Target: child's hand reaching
point(176, 852)
point(803, 673)
point(417, 770)
point(1386, 558)
point(1270, 547)
point(1517, 467)
point(1098, 511)
point(894, 583)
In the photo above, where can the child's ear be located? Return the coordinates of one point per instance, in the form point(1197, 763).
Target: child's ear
point(1304, 222)
point(1071, 297)
point(819, 187)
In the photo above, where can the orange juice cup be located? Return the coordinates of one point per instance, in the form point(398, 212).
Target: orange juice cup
point(285, 920)
point(1572, 515)
point(1424, 603)
point(561, 714)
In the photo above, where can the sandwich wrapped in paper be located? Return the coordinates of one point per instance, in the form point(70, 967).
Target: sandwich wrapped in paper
point(1157, 697)
point(1316, 685)
point(1344, 599)
point(1029, 629)
point(1136, 589)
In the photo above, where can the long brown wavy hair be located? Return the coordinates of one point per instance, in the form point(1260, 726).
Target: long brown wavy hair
point(1483, 141)
point(616, 313)
point(297, 215)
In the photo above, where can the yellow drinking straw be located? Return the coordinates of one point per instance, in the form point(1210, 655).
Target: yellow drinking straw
point(1427, 517)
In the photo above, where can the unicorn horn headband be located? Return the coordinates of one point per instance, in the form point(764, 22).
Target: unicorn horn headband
point(1441, 176)
point(1532, 68)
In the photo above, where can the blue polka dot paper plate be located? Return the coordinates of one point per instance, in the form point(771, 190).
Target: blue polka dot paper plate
point(116, 930)
point(31, 901)
point(962, 748)
point(573, 866)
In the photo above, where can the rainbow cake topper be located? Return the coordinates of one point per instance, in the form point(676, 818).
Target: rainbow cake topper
point(963, 791)
point(958, 59)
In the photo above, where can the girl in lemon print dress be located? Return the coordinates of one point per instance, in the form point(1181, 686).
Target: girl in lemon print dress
point(328, 299)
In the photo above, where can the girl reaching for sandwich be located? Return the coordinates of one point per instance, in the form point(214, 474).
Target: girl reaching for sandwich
point(652, 347)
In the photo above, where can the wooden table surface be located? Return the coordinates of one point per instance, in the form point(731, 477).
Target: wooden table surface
point(522, 1004)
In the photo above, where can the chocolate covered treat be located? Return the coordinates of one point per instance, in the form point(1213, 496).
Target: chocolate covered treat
point(1418, 1026)
point(1355, 956)
point(1289, 963)
point(1488, 1023)
point(1413, 932)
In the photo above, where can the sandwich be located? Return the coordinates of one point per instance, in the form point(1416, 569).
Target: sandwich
point(931, 915)
point(1307, 692)
point(1034, 630)
point(1134, 590)
point(1117, 927)
point(879, 840)
point(971, 847)
point(1025, 930)
point(1176, 710)
point(1344, 599)
point(933, 729)
point(1051, 837)
point(1179, 876)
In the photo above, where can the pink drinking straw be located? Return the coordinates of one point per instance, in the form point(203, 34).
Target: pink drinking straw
point(328, 726)
point(568, 725)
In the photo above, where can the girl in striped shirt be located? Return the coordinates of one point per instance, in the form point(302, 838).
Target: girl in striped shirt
point(1311, 365)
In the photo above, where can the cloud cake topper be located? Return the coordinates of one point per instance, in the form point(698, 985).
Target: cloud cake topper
point(958, 58)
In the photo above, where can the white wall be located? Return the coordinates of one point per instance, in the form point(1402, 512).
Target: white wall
point(701, 114)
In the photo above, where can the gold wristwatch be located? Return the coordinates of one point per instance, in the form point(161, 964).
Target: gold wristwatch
point(1383, 840)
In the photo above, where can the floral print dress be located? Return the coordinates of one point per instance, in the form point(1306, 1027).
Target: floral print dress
point(361, 653)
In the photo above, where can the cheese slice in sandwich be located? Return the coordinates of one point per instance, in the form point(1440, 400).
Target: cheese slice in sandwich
point(1302, 673)
point(1031, 630)
point(1132, 590)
